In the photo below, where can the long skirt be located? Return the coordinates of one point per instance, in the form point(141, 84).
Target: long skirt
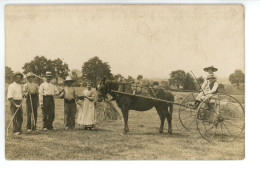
point(86, 115)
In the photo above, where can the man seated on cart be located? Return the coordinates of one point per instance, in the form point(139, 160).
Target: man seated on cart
point(209, 87)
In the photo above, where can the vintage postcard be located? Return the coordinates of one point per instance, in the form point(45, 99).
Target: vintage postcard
point(124, 82)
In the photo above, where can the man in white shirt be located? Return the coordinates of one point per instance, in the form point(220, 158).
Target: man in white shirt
point(46, 92)
point(31, 92)
point(14, 95)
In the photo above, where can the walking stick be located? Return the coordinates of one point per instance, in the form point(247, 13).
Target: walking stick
point(32, 117)
point(12, 119)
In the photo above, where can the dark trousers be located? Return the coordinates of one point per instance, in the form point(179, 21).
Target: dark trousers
point(48, 112)
point(70, 109)
point(18, 118)
point(31, 123)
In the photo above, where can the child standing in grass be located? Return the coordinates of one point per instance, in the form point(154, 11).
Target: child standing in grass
point(86, 115)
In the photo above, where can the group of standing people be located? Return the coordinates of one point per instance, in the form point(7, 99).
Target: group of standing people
point(43, 96)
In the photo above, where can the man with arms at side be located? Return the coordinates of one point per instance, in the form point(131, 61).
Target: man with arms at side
point(46, 96)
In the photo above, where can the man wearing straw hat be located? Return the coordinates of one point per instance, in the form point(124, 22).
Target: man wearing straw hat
point(46, 92)
point(31, 93)
point(70, 107)
point(208, 89)
point(14, 95)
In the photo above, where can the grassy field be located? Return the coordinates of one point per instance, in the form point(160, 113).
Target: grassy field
point(107, 142)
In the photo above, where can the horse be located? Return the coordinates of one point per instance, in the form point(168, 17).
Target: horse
point(129, 101)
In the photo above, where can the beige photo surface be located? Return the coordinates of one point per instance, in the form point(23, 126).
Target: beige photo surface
point(125, 82)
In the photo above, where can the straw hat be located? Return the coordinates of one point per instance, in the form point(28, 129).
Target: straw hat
point(48, 74)
point(68, 79)
point(29, 75)
point(18, 73)
point(211, 67)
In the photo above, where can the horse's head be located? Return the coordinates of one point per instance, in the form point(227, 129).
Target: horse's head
point(105, 88)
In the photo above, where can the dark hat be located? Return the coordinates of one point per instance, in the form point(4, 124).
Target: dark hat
point(30, 75)
point(48, 74)
point(18, 73)
point(211, 67)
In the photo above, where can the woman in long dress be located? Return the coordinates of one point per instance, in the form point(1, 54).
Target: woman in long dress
point(86, 115)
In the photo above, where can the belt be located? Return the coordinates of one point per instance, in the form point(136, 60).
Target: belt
point(69, 101)
point(48, 96)
point(17, 100)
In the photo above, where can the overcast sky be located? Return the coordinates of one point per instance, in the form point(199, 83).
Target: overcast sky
point(151, 40)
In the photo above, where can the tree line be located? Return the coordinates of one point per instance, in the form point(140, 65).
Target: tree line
point(95, 69)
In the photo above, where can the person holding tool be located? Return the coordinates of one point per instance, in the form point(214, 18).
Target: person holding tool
point(14, 95)
point(30, 90)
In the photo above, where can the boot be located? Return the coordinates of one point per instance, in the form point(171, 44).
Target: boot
point(197, 103)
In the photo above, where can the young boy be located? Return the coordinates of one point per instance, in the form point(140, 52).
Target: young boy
point(31, 93)
point(70, 107)
point(14, 95)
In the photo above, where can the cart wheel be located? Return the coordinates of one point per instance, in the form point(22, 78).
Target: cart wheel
point(220, 117)
point(187, 112)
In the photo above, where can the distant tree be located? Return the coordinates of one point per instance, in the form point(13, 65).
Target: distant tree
point(8, 74)
point(140, 76)
point(76, 75)
point(39, 66)
point(200, 80)
point(177, 78)
point(59, 69)
point(237, 78)
point(221, 88)
point(189, 83)
point(165, 84)
point(94, 69)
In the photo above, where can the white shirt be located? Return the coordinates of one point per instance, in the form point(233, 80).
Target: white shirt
point(47, 89)
point(205, 86)
point(14, 91)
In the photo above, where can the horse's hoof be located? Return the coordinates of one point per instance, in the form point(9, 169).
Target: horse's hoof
point(170, 131)
point(161, 131)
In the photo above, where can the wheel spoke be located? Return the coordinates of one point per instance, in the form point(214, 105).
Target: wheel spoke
point(193, 96)
point(188, 117)
point(233, 109)
point(228, 102)
point(192, 122)
point(234, 125)
point(227, 128)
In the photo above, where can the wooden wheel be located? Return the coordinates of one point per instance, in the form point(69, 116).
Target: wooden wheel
point(220, 117)
point(187, 112)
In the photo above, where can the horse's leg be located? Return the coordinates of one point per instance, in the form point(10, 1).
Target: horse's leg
point(125, 112)
point(169, 119)
point(162, 118)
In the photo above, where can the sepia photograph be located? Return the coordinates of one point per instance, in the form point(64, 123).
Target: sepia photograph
point(125, 82)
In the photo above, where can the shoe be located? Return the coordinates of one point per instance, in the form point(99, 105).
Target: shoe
point(17, 133)
point(29, 130)
point(45, 129)
point(66, 128)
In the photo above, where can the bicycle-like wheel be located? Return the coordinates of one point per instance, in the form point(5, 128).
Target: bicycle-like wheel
point(187, 112)
point(220, 117)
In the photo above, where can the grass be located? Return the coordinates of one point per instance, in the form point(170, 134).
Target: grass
point(108, 142)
